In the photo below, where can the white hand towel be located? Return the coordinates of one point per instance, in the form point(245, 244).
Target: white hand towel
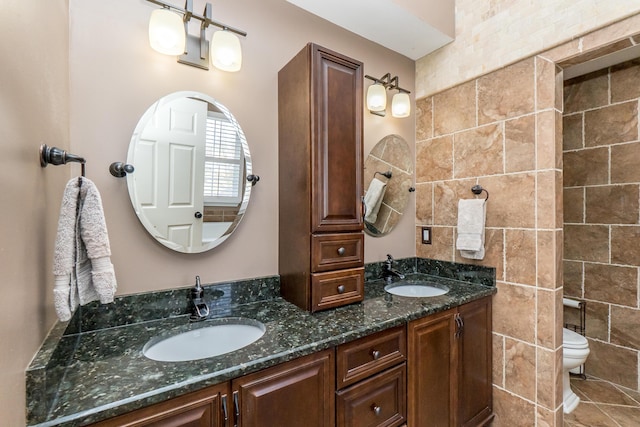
point(373, 200)
point(81, 262)
point(471, 219)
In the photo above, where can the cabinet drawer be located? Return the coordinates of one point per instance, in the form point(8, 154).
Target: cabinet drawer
point(336, 251)
point(334, 289)
point(369, 355)
point(377, 401)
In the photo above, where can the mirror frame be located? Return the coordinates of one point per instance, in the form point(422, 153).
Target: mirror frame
point(146, 118)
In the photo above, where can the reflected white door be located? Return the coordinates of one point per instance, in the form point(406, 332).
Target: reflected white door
point(174, 144)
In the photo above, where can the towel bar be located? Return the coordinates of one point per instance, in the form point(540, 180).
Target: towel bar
point(57, 156)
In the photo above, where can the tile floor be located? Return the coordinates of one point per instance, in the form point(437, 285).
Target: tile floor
point(603, 404)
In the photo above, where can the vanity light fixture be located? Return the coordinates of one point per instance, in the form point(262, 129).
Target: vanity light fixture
point(168, 34)
point(377, 97)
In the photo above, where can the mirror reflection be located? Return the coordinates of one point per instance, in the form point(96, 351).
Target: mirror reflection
point(388, 176)
point(191, 159)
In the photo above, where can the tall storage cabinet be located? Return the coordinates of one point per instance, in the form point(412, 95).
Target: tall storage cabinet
point(321, 243)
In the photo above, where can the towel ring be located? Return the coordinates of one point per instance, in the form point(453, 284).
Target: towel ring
point(477, 189)
point(387, 174)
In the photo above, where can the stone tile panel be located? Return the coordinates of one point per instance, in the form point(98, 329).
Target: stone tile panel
point(520, 144)
point(455, 109)
point(625, 245)
point(586, 167)
point(424, 119)
point(611, 283)
point(520, 255)
point(498, 100)
point(573, 205)
point(586, 243)
point(612, 363)
point(424, 203)
point(511, 410)
point(511, 204)
point(611, 125)
point(572, 131)
point(625, 163)
point(520, 368)
point(624, 327)
point(434, 159)
point(612, 204)
point(572, 278)
point(514, 311)
point(586, 92)
point(625, 81)
point(479, 152)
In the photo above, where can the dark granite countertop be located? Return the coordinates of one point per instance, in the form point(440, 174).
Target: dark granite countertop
point(93, 368)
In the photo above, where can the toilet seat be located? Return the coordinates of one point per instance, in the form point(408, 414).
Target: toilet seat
point(573, 340)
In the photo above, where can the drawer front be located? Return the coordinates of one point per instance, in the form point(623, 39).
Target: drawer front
point(335, 289)
point(377, 401)
point(369, 355)
point(336, 251)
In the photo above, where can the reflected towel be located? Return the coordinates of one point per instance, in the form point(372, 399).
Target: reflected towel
point(373, 200)
point(81, 261)
point(471, 219)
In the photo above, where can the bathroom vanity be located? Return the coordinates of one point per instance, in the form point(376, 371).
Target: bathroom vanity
point(367, 363)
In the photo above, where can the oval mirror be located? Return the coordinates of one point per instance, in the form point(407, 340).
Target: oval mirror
point(388, 177)
point(191, 159)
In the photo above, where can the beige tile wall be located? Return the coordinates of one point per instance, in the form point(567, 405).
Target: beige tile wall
point(504, 130)
point(500, 131)
point(602, 214)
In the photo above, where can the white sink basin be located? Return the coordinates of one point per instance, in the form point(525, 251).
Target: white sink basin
point(224, 336)
point(416, 289)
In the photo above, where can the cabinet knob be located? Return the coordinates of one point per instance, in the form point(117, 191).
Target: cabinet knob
point(376, 409)
point(341, 251)
point(375, 354)
point(341, 289)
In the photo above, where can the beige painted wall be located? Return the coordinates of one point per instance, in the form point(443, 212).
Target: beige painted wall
point(34, 105)
point(491, 34)
point(115, 76)
point(78, 75)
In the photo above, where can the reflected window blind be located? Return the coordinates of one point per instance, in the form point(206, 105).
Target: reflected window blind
point(223, 160)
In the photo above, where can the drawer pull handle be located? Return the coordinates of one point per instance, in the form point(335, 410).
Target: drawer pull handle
point(341, 251)
point(341, 289)
point(376, 409)
point(375, 354)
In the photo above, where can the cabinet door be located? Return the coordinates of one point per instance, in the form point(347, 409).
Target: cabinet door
point(475, 403)
point(336, 142)
point(432, 370)
point(198, 409)
point(299, 393)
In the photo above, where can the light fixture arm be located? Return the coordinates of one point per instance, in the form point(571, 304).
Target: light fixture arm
point(206, 20)
point(390, 83)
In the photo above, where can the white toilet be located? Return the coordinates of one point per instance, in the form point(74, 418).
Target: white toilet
point(575, 352)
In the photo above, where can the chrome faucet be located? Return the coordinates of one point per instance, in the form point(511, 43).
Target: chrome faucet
point(199, 308)
point(389, 273)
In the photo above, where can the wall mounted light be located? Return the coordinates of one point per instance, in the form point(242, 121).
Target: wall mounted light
point(377, 97)
point(168, 34)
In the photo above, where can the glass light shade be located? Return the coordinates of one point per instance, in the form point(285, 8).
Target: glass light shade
point(376, 97)
point(166, 32)
point(225, 52)
point(401, 105)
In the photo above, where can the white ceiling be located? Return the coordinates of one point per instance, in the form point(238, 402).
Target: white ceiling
point(412, 28)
